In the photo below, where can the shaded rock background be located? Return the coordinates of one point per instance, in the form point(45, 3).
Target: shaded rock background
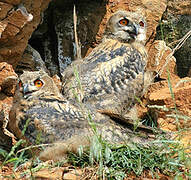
point(175, 23)
point(8, 80)
point(39, 34)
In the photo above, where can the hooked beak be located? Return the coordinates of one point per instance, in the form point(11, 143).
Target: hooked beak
point(27, 90)
point(133, 32)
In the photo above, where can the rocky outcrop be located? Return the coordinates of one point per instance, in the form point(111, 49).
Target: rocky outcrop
point(175, 25)
point(172, 106)
point(17, 23)
point(161, 60)
point(8, 80)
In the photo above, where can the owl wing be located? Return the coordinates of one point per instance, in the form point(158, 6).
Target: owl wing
point(49, 119)
point(111, 77)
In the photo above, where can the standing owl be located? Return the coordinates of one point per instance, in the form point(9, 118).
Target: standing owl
point(113, 75)
point(41, 115)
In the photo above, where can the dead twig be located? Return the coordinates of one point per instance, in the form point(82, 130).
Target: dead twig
point(78, 47)
point(34, 146)
point(6, 110)
point(178, 46)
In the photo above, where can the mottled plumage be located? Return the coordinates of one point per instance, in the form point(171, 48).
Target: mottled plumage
point(113, 74)
point(49, 118)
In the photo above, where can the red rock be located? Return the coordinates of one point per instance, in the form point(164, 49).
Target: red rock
point(161, 95)
point(12, 2)
point(3, 25)
point(9, 32)
point(180, 7)
point(8, 79)
point(5, 8)
point(17, 19)
point(161, 59)
point(16, 34)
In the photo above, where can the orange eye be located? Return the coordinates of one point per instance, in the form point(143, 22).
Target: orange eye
point(124, 22)
point(141, 23)
point(20, 84)
point(38, 83)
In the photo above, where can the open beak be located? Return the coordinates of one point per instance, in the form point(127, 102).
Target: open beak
point(28, 90)
point(134, 31)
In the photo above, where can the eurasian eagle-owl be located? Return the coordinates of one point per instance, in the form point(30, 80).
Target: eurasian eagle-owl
point(112, 76)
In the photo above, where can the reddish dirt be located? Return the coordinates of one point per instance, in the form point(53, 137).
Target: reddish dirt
point(69, 172)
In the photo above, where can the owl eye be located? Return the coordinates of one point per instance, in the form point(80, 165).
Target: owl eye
point(20, 84)
point(38, 83)
point(141, 23)
point(124, 22)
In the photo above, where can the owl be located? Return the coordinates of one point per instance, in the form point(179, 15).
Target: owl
point(112, 76)
point(40, 114)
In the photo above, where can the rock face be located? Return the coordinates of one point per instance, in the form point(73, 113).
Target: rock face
point(174, 25)
point(171, 109)
point(178, 106)
point(161, 60)
point(17, 23)
point(174, 114)
point(8, 80)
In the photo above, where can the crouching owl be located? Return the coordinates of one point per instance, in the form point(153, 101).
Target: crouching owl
point(41, 114)
point(113, 75)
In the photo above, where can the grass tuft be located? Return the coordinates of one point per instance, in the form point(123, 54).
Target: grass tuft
point(164, 156)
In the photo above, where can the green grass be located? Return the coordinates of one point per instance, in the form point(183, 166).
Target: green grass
point(167, 157)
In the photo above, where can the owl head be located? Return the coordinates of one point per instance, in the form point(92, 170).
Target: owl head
point(36, 84)
point(126, 27)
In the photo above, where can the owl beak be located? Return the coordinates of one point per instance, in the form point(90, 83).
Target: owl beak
point(28, 89)
point(25, 89)
point(134, 31)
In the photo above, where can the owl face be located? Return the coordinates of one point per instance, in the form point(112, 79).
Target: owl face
point(36, 84)
point(126, 27)
point(31, 84)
